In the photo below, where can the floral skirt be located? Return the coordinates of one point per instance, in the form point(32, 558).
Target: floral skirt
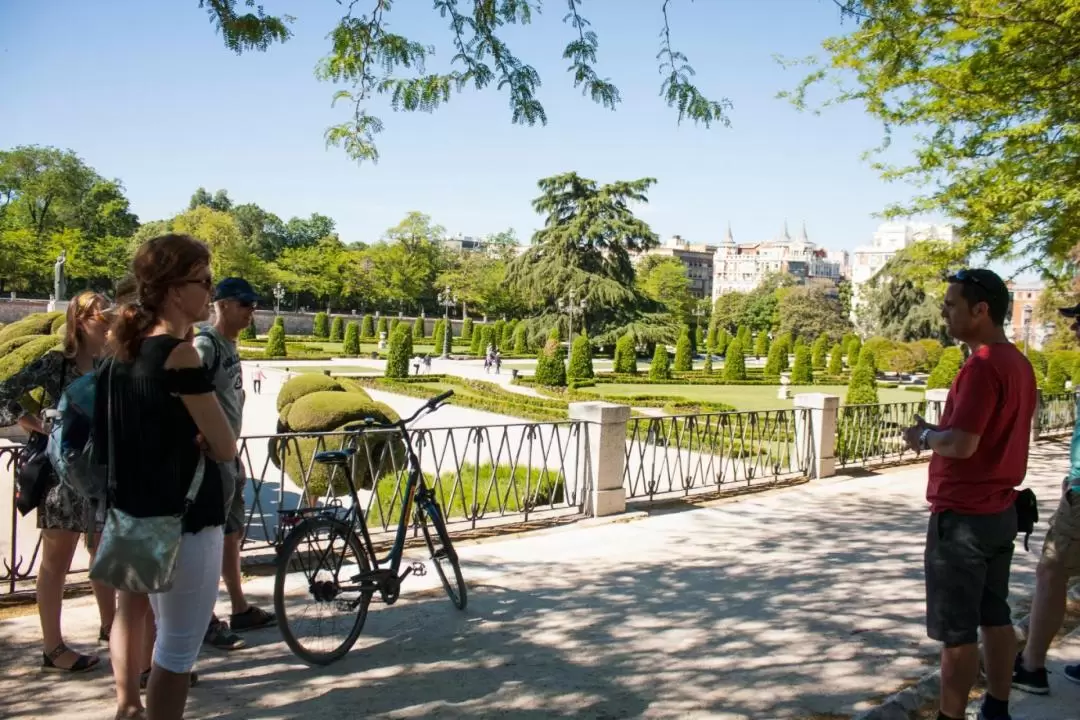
point(62, 508)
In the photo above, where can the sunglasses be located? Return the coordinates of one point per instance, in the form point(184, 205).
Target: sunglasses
point(964, 276)
point(207, 283)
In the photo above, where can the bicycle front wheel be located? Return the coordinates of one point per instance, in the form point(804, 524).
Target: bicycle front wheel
point(443, 554)
point(317, 596)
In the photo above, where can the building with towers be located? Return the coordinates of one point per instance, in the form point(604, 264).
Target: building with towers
point(740, 267)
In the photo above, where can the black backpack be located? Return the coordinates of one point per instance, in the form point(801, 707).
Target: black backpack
point(1027, 513)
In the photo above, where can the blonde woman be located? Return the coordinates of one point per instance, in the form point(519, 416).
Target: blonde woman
point(62, 515)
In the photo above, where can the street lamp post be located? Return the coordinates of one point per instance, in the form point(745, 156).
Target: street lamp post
point(572, 308)
point(447, 300)
point(279, 295)
point(1027, 330)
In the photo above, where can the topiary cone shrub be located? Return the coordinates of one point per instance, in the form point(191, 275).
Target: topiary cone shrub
point(735, 361)
point(836, 361)
point(626, 355)
point(337, 330)
point(660, 369)
point(321, 328)
point(418, 329)
point(942, 376)
point(550, 368)
point(399, 354)
point(862, 387)
point(275, 343)
point(367, 328)
point(684, 359)
point(467, 329)
point(819, 354)
point(802, 373)
point(351, 344)
point(521, 339)
point(581, 360)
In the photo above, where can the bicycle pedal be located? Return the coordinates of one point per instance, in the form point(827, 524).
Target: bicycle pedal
point(419, 569)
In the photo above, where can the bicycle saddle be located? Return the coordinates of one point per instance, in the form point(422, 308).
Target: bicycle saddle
point(335, 457)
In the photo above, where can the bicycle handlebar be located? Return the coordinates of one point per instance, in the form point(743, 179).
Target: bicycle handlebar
point(429, 406)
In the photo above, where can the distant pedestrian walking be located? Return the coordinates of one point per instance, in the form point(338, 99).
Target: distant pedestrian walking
point(498, 362)
point(980, 454)
point(256, 379)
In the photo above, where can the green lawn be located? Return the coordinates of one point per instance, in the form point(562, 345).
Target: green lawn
point(743, 397)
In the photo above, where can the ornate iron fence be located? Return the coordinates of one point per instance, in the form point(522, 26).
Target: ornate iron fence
point(874, 434)
point(682, 454)
point(1056, 414)
point(481, 475)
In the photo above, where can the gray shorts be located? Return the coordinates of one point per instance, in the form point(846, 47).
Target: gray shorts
point(233, 482)
point(968, 560)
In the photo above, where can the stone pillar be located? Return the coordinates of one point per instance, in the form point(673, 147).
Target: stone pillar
point(935, 405)
point(605, 424)
point(816, 416)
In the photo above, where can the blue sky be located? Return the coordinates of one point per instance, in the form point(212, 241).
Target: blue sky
point(146, 92)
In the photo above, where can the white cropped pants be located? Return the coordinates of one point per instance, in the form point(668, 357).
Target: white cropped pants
point(182, 614)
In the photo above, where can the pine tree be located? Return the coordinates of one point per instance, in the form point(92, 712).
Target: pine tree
point(322, 326)
point(836, 361)
point(734, 361)
point(581, 365)
point(275, 342)
point(625, 355)
point(801, 373)
point(399, 354)
point(684, 359)
point(660, 368)
point(337, 330)
point(819, 353)
point(352, 339)
point(367, 328)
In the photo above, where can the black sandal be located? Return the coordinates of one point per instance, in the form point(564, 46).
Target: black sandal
point(82, 663)
point(144, 679)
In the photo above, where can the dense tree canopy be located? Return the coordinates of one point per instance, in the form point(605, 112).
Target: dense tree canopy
point(990, 88)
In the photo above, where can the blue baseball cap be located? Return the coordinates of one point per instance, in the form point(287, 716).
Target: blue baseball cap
point(234, 288)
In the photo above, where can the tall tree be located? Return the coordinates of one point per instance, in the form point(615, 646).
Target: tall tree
point(810, 312)
point(584, 249)
point(664, 280)
point(988, 90)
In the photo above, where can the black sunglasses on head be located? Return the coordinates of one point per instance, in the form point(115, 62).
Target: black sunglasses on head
point(964, 276)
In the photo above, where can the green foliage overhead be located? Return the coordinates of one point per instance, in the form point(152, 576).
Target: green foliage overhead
point(660, 368)
point(321, 329)
point(399, 353)
point(684, 359)
point(801, 372)
point(275, 342)
point(986, 90)
point(369, 58)
point(351, 345)
point(735, 361)
point(947, 368)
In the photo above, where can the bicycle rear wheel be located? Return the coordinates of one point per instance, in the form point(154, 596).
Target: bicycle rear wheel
point(317, 597)
point(443, 554)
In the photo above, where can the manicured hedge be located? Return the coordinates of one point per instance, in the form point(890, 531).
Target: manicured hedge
point(18, 359)
point(33, 324)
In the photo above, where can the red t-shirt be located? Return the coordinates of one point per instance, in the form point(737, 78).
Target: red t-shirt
point(993, 396)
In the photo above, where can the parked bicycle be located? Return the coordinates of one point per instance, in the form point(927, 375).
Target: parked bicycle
point(330, 558)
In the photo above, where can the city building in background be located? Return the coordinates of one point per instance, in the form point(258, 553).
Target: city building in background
point(697, 259)
point(889, 239)
point(1022, 324)
point(465, 243)
point(740, 267)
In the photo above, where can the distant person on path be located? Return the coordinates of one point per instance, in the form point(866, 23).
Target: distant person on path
point(62, 514)
point(980, 455)
point(498, 362)
point(257, 378)
point(1060, 562)
point(234, 304)
point(427, 363)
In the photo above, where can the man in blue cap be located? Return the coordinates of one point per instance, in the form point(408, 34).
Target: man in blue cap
point(1059, 563)
point(234, 306)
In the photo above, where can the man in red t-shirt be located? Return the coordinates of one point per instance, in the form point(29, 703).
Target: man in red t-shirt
point(980, 454)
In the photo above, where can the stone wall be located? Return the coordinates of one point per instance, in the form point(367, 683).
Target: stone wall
point(12, 310)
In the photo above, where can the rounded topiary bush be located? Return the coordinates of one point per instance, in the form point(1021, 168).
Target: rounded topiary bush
point(550, 368)
point(280, 322)
point(438, 337)
point(33, 324)
point(15, 343)
point(521, 339)
point(819, 353)
point(321, 329)
point(660, 369)
point(862, 388)
point(507, 338)
point(836, 361)
point(626, 355)
point(250, 332)
point(21, 357)
point(399, 354)
point(581, 365)
point(801, 372)
point(735, 361)
point(275, 343)
point(684, 352)
point(418, 329)
point(467, 329)
point(302, 385)
point(328, 411)
point(337, 330)
point(58, 324)
point(952, 358)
